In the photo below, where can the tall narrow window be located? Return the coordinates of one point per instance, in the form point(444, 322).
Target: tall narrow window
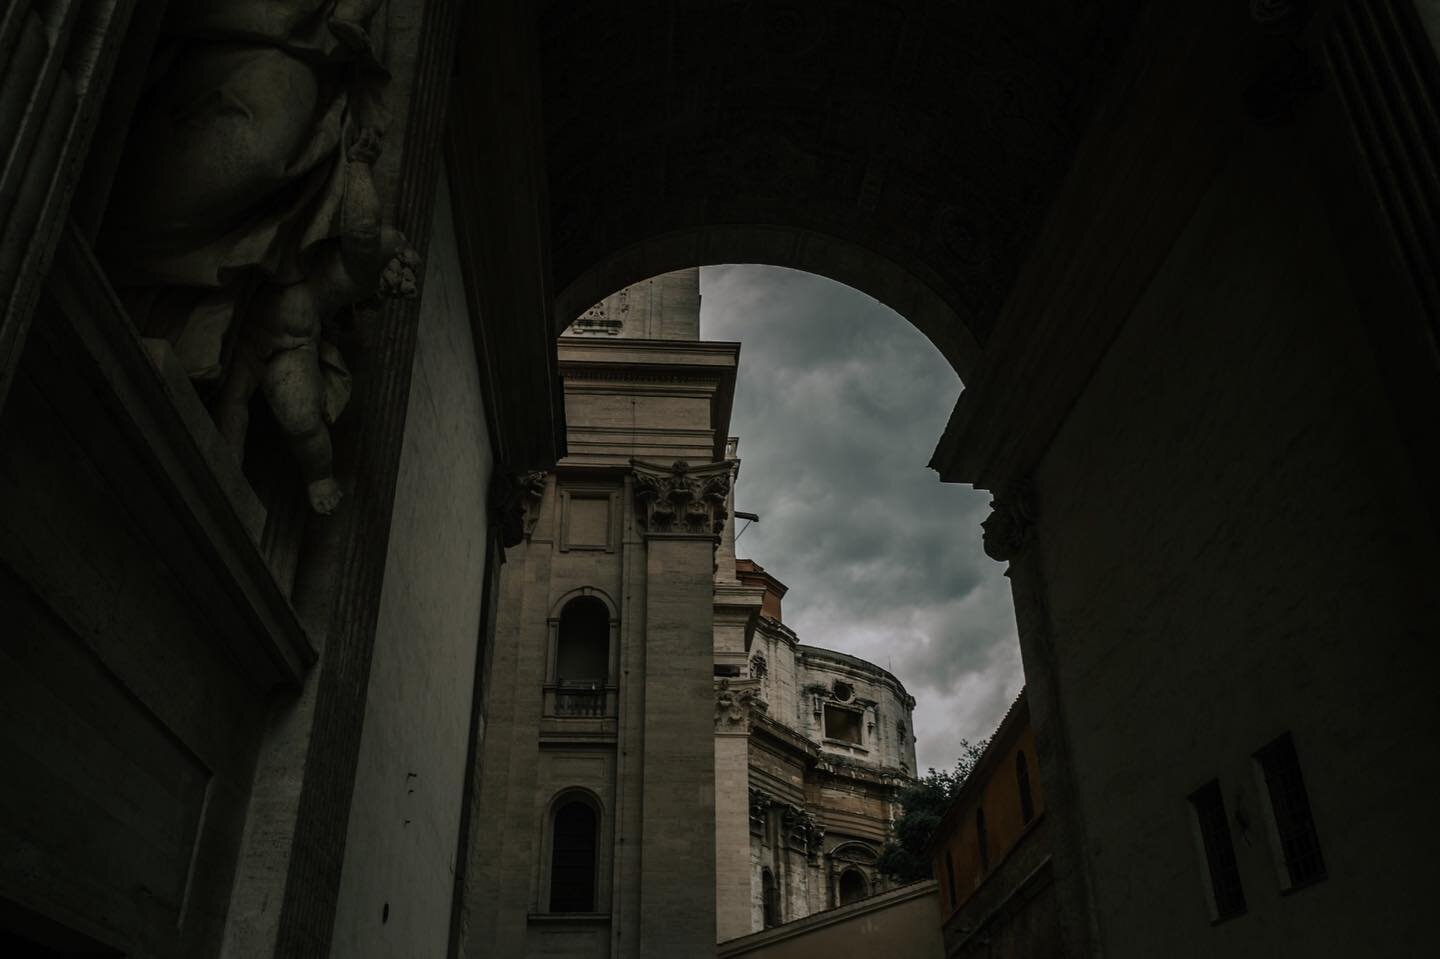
point(853, 886)
point(769, 899)
point(572, 858)
point(1227, 897)
point(982, 840)
point(1022, 779)
point(582, 653)
point(950, 879)
point(1292, 822)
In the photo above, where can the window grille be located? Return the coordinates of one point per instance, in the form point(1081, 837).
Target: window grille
point(1294, 826)
point(1226, 894)
point(1022, 779)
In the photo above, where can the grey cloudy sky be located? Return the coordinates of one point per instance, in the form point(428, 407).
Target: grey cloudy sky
point(839, 404)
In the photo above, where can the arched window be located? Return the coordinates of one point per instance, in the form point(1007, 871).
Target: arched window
point(853, 886)
point(582, 652)
point(982, 840)
point(1022, 778)
point(769, 898)
point(574, 834)
point(950, 878)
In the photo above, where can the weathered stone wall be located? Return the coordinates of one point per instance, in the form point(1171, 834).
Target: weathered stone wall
point(1233, 547)
point(886, 706)
point(397, 882)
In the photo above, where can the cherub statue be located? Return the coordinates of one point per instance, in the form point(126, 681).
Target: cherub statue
point(280, 348)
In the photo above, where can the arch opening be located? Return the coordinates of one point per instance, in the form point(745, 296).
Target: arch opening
point(926, 302)
point(582, 649)
point(853, 886)
point(574, 840)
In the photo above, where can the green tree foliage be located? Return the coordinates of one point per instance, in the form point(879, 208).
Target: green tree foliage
point(924, 803)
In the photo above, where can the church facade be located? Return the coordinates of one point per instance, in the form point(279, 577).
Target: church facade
point(830, 744)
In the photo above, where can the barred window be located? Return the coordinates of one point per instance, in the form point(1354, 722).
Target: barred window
point(1227, 896)
point(1292, 823)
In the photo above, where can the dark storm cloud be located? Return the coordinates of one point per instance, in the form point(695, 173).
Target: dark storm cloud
point(838, 407)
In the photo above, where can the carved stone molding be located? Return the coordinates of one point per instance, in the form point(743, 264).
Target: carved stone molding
point(1009, 529)
point(681, 498)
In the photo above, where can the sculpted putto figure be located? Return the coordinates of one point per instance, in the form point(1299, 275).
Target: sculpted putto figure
point(245, 217)
point(279, 348)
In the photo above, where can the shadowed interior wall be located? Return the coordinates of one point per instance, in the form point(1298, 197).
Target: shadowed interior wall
point(1233, 547)
point(405, 815)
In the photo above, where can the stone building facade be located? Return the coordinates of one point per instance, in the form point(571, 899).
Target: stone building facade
point(598, 779)
point(830, 744)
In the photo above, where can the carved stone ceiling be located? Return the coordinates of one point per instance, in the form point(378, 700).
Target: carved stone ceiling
point(932, 132)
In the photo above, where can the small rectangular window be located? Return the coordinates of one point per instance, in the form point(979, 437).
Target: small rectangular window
point(1292, 825)
point(842, 724)
point(1227, 897)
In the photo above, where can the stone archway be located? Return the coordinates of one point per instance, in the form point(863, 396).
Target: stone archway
point(906, 149)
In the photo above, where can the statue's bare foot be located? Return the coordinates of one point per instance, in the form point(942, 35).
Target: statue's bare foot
point(324, 495)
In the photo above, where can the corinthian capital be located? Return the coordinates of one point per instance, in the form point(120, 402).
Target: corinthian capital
point(733, 702)
point(680, 498)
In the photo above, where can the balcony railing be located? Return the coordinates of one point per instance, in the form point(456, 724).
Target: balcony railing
point(580, 700)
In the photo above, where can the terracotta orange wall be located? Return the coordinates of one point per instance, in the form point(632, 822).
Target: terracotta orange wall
point(998, 792)
point(752, 573)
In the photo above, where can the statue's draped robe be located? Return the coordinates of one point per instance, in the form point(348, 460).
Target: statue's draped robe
point(233, 172)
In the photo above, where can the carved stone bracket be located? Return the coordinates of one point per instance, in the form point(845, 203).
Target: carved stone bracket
point(802, 831)
point(1010, 527)
point(760, 803)
point(515, 504)
point(681, 498)
point(799, 829)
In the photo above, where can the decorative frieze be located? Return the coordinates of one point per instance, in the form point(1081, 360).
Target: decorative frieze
point(681, 498)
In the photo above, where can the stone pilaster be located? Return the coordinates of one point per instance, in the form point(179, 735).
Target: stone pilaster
point(734, 701)
point(677, 859)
